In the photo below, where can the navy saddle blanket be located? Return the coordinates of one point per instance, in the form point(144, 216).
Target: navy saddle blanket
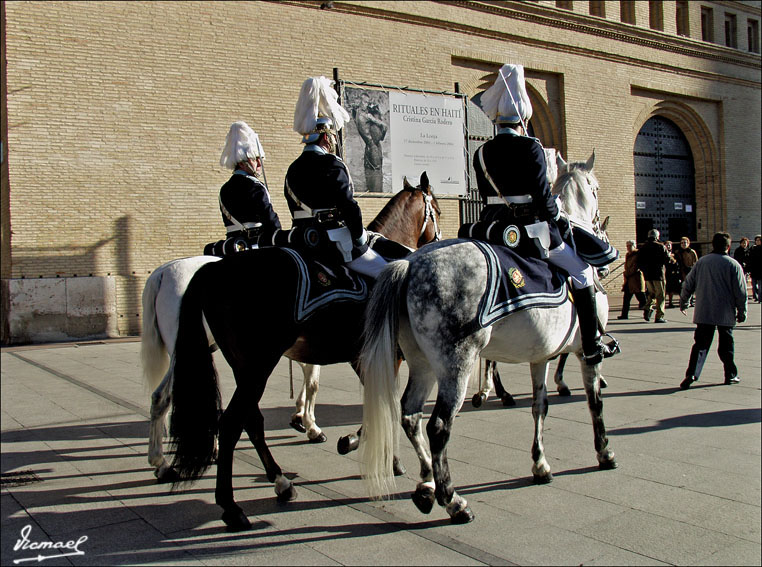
point(318, 285)
point(515, 283)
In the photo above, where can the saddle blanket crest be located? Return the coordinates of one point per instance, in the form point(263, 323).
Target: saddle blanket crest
point(319, 285)
point(515, 283)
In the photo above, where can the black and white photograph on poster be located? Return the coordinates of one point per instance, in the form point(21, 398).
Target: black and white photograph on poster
point(366, 140)
point(427, 134)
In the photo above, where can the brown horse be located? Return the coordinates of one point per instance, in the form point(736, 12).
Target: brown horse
point(328, 336)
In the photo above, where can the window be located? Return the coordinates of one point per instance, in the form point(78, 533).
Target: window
point(731, 30)
point(627, 11)
point(655, 15)
point(598, 8)
point(707, 24)
point(752, 29)
point(681, 15)
point(566, 5)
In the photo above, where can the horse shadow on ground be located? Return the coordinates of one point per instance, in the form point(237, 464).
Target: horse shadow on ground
point(707, 419)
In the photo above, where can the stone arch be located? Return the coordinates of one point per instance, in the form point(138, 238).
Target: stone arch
point(708, 178)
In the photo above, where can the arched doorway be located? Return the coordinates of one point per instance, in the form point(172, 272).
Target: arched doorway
point(665, 193)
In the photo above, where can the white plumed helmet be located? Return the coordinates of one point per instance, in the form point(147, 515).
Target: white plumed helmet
point(318, 109)
point(507, 101)
point(242, 143)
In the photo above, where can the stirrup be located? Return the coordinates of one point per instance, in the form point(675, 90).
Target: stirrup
point(612, 348)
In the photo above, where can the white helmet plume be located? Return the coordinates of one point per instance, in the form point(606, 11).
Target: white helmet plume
point(242, 143)
point(507, 101)
point(318, 105)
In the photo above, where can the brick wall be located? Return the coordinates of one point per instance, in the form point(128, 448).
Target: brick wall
point(117, 111)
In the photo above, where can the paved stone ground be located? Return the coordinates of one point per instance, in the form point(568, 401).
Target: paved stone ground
point(687, 490)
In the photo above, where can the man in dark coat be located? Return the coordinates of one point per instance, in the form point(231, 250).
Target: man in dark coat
point(652, 258)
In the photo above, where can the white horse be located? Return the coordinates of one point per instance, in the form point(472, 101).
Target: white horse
point(429, 303)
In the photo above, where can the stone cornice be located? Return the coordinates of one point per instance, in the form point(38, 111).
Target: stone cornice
point(539, 14)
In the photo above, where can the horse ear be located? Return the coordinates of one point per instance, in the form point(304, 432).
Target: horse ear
point(562, 165)
point(591, 162)
point(605, 224)
point(405, 183)
point(424, 181)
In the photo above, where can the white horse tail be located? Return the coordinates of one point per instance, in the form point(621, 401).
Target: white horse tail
point(153, 351)
point(378, 362)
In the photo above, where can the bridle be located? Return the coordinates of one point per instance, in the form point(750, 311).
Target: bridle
point(429, 214)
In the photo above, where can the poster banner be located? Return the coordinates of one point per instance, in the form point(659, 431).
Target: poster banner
point(427, 134)
point(393, 135)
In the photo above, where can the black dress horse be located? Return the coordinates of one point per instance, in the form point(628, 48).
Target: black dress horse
point(252, 336)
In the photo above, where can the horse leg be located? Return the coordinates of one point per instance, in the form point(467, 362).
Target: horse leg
point(297, 418)
point(311, 385)
point(230, 428)
point(485, 387)
point(540, 469)
point(419, 385)
point(591, 377)
point(438, 429)
point(561, 387)
point(502, 393)
point(160, 401)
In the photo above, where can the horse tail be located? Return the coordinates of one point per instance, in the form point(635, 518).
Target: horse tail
point(378, 363)
point(195, 389)
point(153, 351)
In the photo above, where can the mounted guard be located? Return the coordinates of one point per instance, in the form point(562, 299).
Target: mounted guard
point(245, 204)
point(319, 189)
point(520, 211)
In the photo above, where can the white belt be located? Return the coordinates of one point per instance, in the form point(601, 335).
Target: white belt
point(516, 199)
point(244, 226)
point(299, 215)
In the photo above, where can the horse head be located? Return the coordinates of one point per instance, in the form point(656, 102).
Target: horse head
point(396, 219)
point(577, 190)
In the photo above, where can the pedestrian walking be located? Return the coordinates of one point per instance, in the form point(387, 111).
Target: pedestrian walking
point(718, 282)
point(652, 257)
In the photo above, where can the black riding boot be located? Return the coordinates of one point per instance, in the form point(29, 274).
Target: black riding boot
point(584, 301)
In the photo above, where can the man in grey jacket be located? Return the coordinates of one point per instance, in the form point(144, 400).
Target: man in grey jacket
point(720, 287)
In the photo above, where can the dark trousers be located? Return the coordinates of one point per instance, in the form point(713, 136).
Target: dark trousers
point(639, 295)
point(703, 340)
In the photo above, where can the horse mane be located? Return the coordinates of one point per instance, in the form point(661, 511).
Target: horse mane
point(391, 210)
point(570, 188)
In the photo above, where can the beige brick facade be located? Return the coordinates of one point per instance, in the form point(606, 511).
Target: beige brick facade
point(114, 113)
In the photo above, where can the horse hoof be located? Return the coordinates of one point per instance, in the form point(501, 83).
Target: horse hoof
point(423, 498)
point(463, 517)
point(564, 392)
point(477, 400)
point(296, 423)
point(287, 495)
point(236, 520)
point(542, 479)
point(346, 444)
point(319, 439)
point(604, 384)
point(168, 476)
point(608, 465)
point(508, 400)
point(398, 468)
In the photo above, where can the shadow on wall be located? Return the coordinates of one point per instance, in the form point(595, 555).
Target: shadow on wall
point(78, 303)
